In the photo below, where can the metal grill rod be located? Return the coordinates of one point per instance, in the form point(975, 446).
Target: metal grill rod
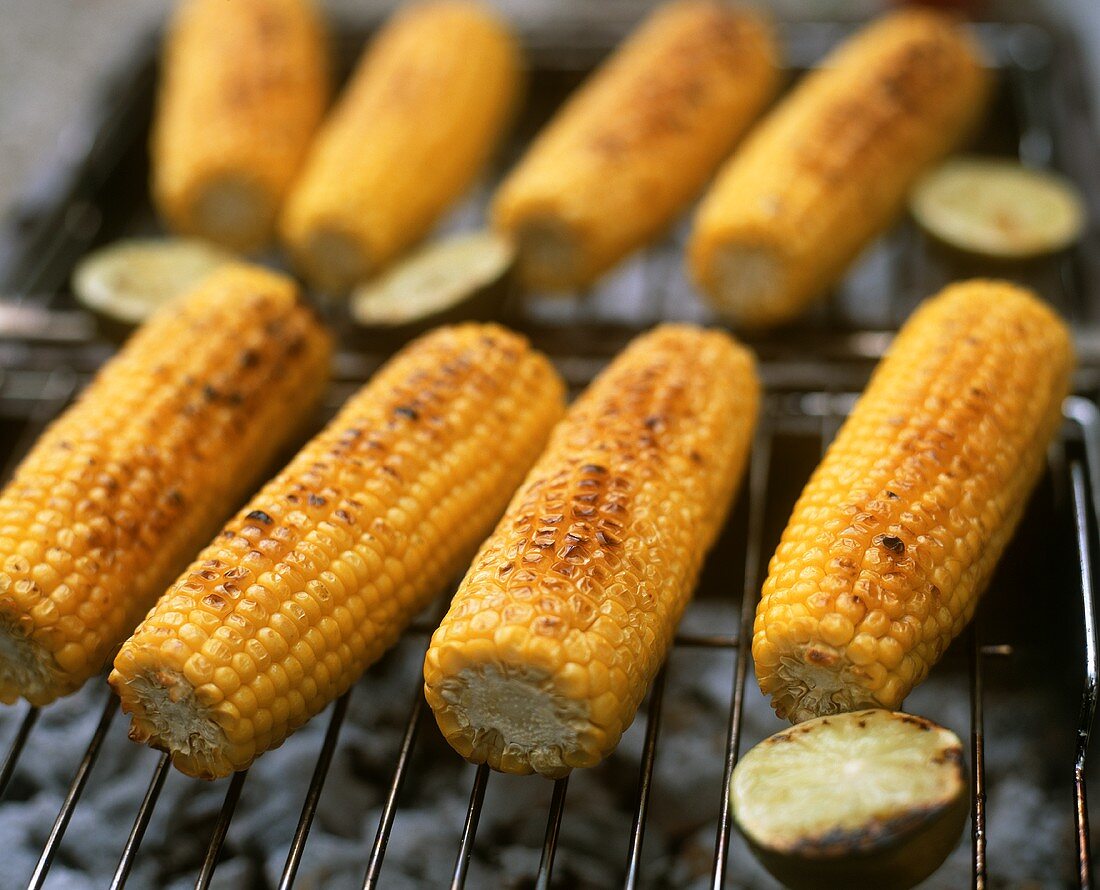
point(313, 795)
point(977, 762)
point(141, 822)
point(1092, 679)
point(221, 828)
point(401, 770)
point(645, 779)
point(469, 830)
point(38, 878)
point(17, 745)
point(760, 463)
point(553, 828)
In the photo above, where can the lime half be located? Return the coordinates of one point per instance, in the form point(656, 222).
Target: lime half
point(870, 799)
point(998, 208)
point(129, 280)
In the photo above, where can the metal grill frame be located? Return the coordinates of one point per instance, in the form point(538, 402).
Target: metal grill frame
point(44, 376)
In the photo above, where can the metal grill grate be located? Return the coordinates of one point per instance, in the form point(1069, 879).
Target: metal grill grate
point(56, 350)
point(1075, 459)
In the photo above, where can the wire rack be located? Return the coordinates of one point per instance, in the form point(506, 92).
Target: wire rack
point(819, 413)
point(48, 348)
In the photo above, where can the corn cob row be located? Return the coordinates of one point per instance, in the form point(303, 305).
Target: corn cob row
point(425, 108)
point(244, 85)
point(123, 487)
point(320, 573)
point(899, 529)
point(568, 610)
point(637, 141)
point(830, 168)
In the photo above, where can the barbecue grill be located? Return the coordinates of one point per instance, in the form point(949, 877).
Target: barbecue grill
point(1032, 681)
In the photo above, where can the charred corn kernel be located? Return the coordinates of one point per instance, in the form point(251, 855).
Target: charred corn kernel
point(320, 573)
point(638, 141)
point(570, 606)
point(130, 480)
point(244, 86)
point(914, 502)
point(830, 168)
point(424, 110)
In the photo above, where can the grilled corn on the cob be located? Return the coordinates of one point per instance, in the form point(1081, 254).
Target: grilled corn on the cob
point(422, 113)
point(128, 482)
point(831, 166)
point(244, 85)
point(320, 573)
point(638, 141)
point(899, 529)
point(569, 608)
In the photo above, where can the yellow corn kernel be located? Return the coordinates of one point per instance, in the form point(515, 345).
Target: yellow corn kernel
point(131, 479)
point(318, 575)
point(638, 141)
point(243, 87)
point(830, 168)
point(424, 110)
point(914, 502)
point(590, 569)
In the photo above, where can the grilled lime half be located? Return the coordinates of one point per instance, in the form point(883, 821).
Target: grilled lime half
point(463, 276)
point(997, 208)
point(129, 280)
point(871, 799)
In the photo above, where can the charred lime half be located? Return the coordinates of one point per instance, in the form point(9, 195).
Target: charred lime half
point(871, 799)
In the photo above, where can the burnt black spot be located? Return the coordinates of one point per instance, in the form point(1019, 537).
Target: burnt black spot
point(249, 358)
point(260, 516)
point(209, 393)
point(891, 495)
point(344, 516)
point(406, 411)
point(315, 500)
point(893, 544)
point(654, 421)
point(593, 468)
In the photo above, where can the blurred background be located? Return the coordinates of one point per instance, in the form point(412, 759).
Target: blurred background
point(54, 55)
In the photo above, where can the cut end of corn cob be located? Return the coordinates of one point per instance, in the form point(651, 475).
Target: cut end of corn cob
point(549, 253)
point(899, 530)
point(232, 210)
point(27, 669)
point(319, 574)
point(749, 283)
point(567, 612)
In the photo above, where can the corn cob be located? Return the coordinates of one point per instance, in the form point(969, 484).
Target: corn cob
point(244, 86)
point(637, 142)
point(320, 573)
point(423, 112)
point(898, 531)
point(830, 168)
point(569, 608)
point(122, 488)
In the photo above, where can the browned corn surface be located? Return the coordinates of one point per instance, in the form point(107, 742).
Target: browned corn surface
point(830, 168)
point(569, 608)
point(899, 529)
point(637, 141)
point(243, 86)
point(423, 112)
point(318, 575)
point(128, 482)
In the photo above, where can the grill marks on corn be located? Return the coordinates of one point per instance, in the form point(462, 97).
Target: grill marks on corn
point(104, 509)
point(571, 603)
point(319, 574)
point(899, 529)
